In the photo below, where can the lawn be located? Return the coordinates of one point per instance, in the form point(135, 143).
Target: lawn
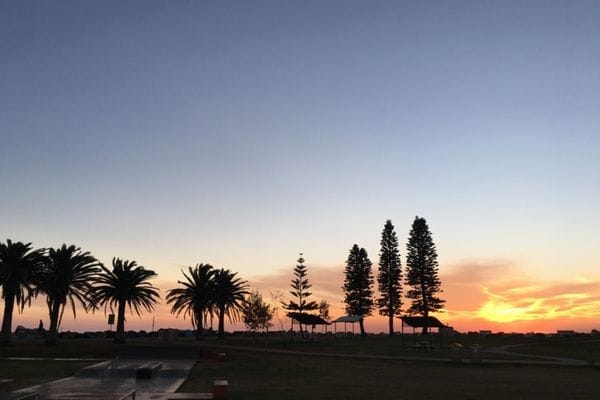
point(251, 376)
point(387, 346)
point(583, 348)
point(292, 376)
point(33, 372)
point(67, 348)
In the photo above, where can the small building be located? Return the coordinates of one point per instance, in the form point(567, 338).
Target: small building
point(308, 319)
point(422, 322)
point(346, 319)
point(565, 332)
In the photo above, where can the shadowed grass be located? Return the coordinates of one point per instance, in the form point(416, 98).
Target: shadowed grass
point(387, 346)
point(251, 376)
point(578, 348)
point(302, 377)
point(33, 372)
point(68, 348)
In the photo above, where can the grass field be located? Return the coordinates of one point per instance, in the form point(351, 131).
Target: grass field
point(33, 372)
point(69, 348)
point(303, 377)
point(571, 347)
point(294, 376)
point(394, 346)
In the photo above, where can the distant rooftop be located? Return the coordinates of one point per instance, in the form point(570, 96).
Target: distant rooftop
point(421, 322)
point(348, 318)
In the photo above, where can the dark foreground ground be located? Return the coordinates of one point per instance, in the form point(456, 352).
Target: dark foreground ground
point(305, 377)
point(264, 374)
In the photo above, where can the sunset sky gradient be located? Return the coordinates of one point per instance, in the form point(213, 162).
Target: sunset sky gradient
point(242, 133)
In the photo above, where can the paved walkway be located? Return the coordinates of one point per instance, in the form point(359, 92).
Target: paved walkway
point(114, 378)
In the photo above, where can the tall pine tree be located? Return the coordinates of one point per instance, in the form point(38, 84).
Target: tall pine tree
point(390, 276)
point(422, 272)
point(300, 286)
point(358, 285)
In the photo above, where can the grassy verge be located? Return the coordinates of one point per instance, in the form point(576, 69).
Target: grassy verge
point(29, 373)
point(560, 347)
point(69, 348)
point(372, 345)
point(251, 376)
point(379, 345)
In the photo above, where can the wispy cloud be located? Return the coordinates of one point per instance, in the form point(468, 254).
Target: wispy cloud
point(500, 293)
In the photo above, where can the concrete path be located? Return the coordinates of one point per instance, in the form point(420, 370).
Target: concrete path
point(114, 378)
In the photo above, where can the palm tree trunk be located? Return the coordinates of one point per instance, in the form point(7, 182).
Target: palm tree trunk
point(53, 330)
point(221, 321)
point(6, 334)
point(120, 333)
point(199, 327)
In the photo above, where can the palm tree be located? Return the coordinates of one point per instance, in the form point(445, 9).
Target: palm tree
point(228, 296)
point(195, 297)
point(66, 278)
point(19, 264)
point(126, 285)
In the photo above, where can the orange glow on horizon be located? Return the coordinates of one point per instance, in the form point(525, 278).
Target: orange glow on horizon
point(475, 299)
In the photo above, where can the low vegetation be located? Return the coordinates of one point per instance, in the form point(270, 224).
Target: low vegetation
point(261, 369)
point(582, 347)
point(23, 375)
point(256, 376)
point(67, 348)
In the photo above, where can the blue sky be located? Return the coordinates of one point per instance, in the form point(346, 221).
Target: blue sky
point(240, 133)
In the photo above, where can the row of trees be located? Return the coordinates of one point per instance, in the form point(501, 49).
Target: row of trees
point(205, 292)
point(421, 278)
point(67, 276)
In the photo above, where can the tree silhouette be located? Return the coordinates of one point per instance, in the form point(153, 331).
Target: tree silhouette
point(195, 297)
point(228, 296)
point(125, 285)
point(66, 277)
point(390, 276)
point(256, 313)
point(358, 285)
point(422, 272)
point(300, 287)
point(19, 265)
point(324, 310)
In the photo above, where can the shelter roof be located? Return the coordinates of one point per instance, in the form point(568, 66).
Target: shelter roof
point(420, 322)
point(349, 318)
point(308, 319)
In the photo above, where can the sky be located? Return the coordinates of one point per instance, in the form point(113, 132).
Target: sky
point(242, 133)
